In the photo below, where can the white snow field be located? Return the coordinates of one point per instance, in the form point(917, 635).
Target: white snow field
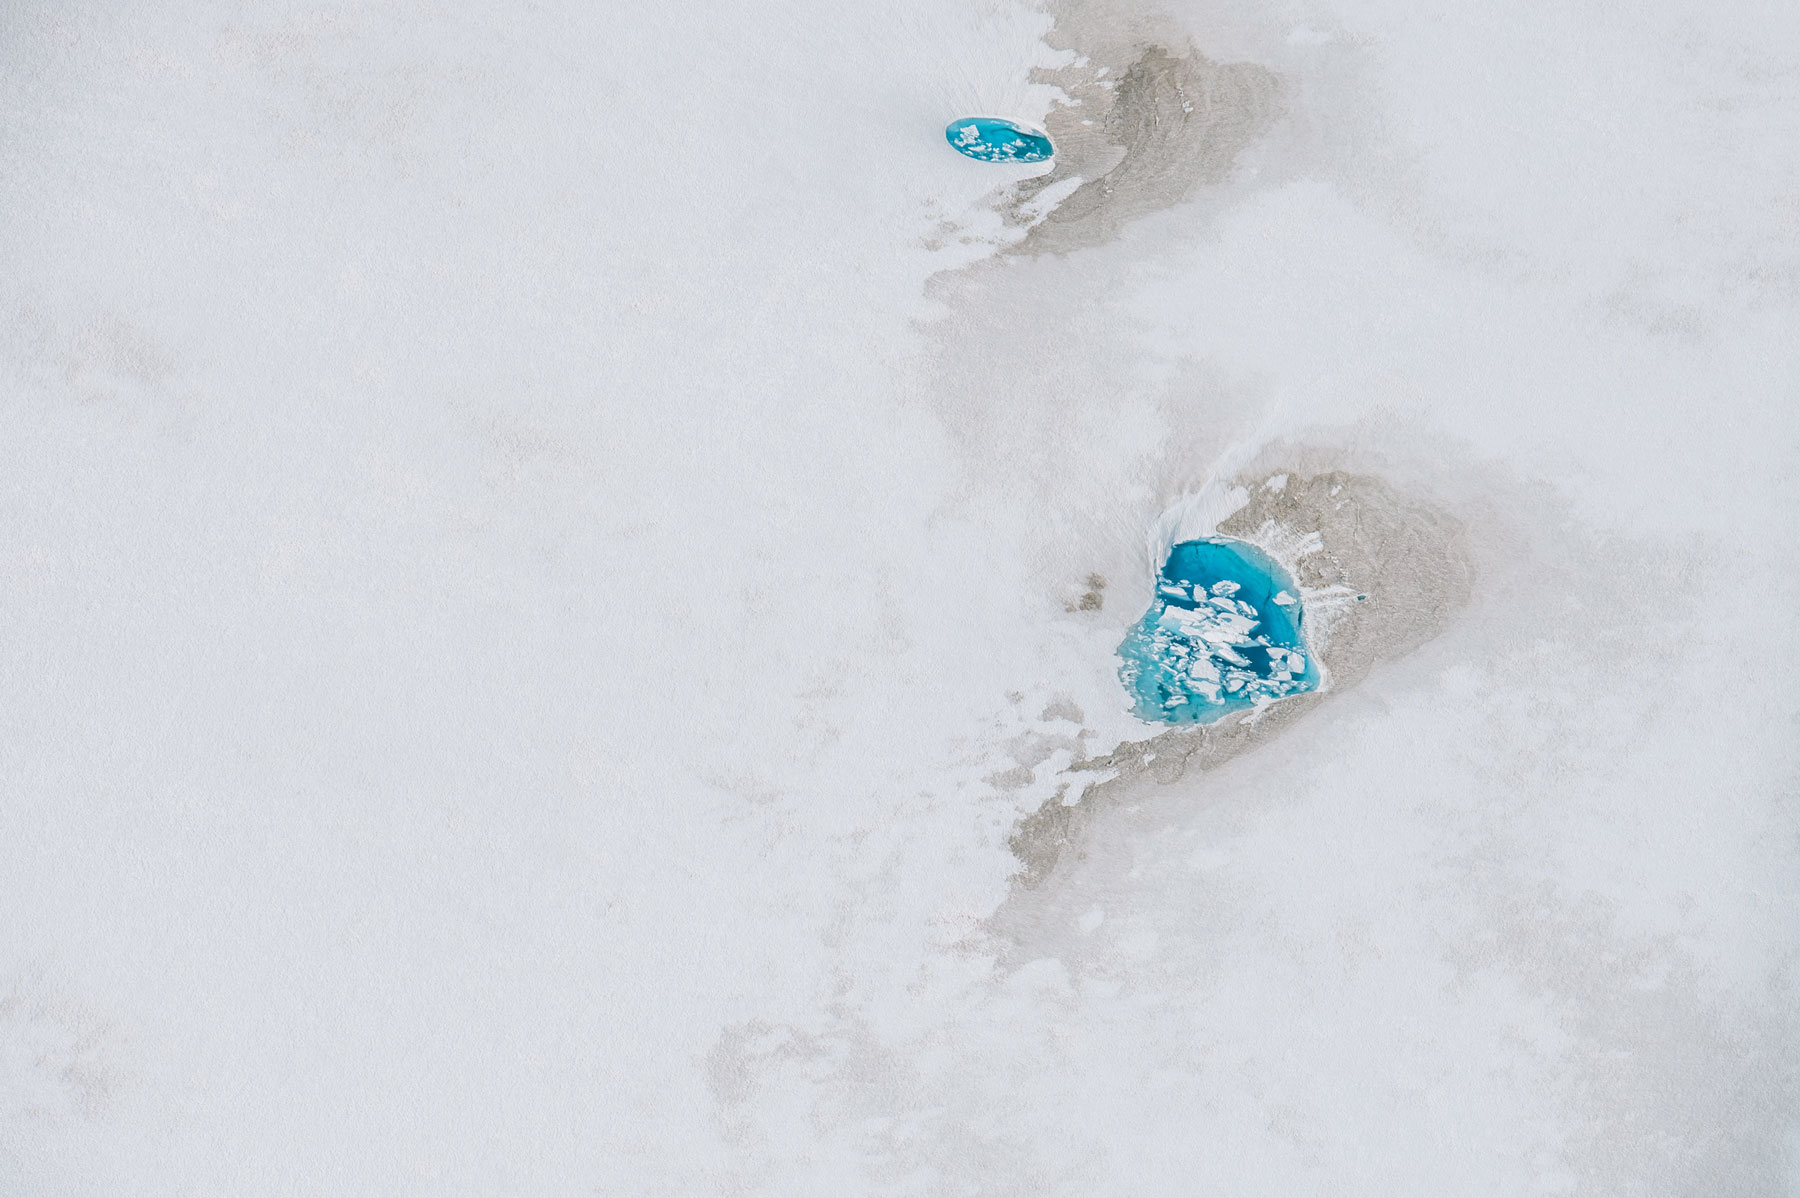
point(547, 550)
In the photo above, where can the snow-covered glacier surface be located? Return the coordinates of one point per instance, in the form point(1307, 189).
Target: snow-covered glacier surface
point(561, 568)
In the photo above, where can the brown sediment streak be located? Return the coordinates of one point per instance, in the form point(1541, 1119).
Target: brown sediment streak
point(1149, 119)
point(1148, 122)
point(1396, 570)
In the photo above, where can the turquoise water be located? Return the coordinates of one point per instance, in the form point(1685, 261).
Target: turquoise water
point(1222, 635)
point(994, 140)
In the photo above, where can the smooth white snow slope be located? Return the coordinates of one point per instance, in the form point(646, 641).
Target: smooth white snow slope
point(531, 604)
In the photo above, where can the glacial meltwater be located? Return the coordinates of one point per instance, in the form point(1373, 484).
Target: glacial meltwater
point(1223, 634)
point(995, 139)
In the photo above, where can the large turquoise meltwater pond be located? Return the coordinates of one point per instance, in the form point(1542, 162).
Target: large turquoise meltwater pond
point(1222, 635)
point(994, 139)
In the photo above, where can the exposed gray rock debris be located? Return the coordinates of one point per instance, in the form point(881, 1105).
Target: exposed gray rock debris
point(1150, 119)
point(1399, 571)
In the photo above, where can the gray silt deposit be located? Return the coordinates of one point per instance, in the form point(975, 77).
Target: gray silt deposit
point(1150, 119)
point(1403, 557)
